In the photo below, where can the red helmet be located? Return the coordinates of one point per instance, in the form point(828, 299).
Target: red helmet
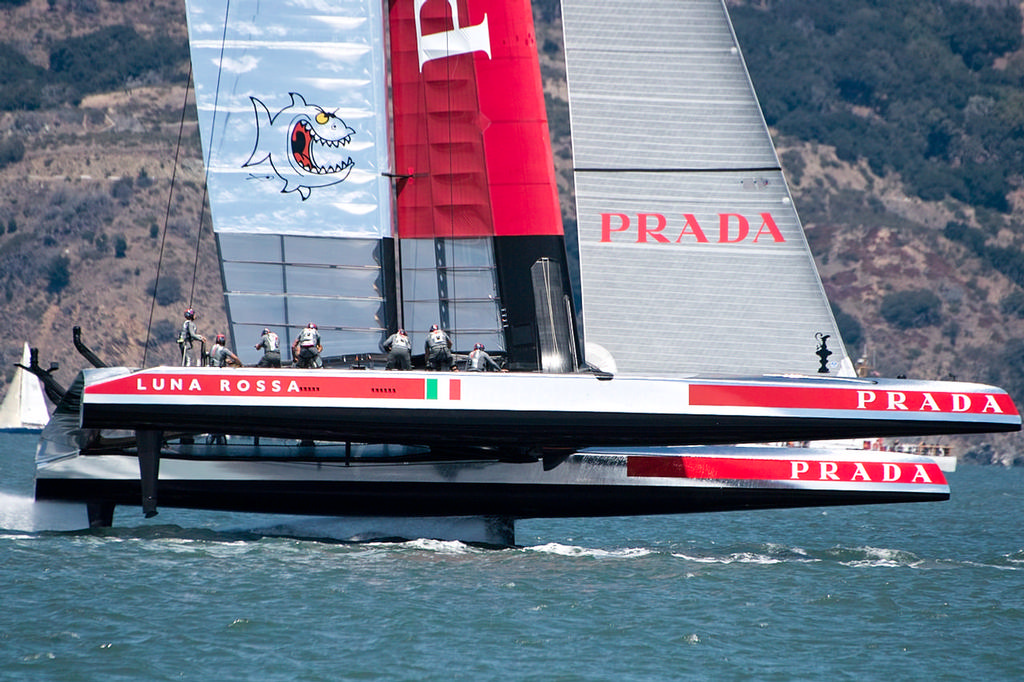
point(478, 346)
point(402, 332)
point(311, 325)
point(190, 314)
point(221, 339)
point(266, 330)
point(434, 327)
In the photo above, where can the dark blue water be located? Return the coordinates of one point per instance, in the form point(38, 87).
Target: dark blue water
point(931, 591)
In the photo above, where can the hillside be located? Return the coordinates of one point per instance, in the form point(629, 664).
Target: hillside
point(90, 228)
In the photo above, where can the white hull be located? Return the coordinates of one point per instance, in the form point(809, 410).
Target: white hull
point(532, 410)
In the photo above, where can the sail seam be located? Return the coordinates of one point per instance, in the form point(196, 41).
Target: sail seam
point(754, 169)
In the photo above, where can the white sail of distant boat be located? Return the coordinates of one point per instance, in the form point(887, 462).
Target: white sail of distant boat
point(24, 406)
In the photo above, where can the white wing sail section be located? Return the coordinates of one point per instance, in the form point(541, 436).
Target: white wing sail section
point(692, 257)
point(292, 115)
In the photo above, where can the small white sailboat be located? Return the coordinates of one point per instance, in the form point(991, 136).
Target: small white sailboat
point(24, 406)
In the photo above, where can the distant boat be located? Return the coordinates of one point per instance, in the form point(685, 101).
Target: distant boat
point(24, 407)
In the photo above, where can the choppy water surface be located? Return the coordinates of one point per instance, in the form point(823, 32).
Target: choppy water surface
point(930, 591)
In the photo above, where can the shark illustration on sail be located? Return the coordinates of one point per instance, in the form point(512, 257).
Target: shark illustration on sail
point(303, 143)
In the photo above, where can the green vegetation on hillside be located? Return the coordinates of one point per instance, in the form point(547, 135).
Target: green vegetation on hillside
point(912, 309)
point(110, 58)
point(1006, 260)
point(914, 87)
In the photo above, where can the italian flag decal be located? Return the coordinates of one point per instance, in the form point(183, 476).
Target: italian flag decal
point(444, 389)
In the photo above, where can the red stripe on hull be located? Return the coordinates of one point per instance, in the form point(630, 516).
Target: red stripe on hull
point(357, 387)
point(786, 469)
point(811, 398)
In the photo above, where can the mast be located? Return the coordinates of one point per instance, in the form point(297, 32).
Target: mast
point(477, 203)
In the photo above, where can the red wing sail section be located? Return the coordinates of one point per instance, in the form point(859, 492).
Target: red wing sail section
point(470, 126)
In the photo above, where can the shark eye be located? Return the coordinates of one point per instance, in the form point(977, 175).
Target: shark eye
point(322, 118)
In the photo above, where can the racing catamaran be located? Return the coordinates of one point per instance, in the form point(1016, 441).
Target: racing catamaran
point(375, 164)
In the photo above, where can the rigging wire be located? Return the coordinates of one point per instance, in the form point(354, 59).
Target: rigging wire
point(199, 237)
point(170, 194)
point(450, 65)
point(167, 214)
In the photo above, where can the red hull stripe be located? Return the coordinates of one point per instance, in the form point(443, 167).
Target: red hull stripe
point(809, 398)
point(361, 388)
point(785, 469)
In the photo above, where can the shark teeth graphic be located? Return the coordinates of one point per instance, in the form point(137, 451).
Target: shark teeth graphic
point(318, 155)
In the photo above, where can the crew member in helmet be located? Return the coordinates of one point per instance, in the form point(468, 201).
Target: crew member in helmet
point(438, 349)
point(399, 350)
point(271, 346)
point(480, 361)
point(187, 336)
point(220, 356)
point(306, 349)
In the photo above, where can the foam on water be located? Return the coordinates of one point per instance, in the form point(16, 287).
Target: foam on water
point(766, 555)
point(575, 551)
point(878, 557)
point(738, 558)
point(18, 512)
point(439, 546)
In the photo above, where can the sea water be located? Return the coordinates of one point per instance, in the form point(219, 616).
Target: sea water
point(927, 591)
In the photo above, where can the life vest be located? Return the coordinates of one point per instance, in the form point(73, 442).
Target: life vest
point(270, 342)
point(218, 355)
point(437, 338)
point(185, 336)
point(308, 337)
point(401, 341)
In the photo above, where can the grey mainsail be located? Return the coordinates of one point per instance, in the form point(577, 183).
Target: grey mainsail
point(692, 256)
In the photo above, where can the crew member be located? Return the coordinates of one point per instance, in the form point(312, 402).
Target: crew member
point(271, 346)
point(220, 356)
point(438, 349)
point(399, 350)
point(480, 361)
point(306, 349)
point(187, 336)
